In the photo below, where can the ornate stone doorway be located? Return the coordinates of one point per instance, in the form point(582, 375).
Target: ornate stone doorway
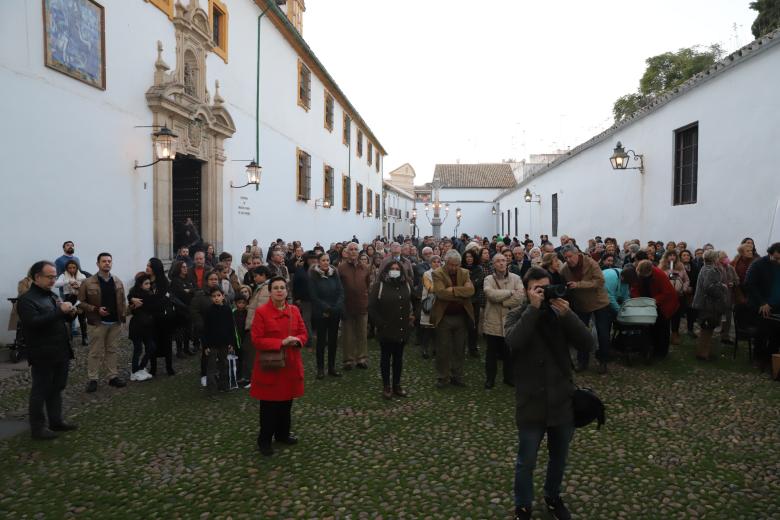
point(181, 100)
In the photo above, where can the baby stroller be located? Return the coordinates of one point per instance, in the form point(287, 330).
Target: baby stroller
point(631, 332)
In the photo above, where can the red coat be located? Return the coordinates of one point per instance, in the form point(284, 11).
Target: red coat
point(662, 291)
point(269, 327)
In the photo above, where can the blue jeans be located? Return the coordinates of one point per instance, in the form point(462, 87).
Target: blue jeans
point(603, 318)
point(149, 351)
point(529, 439)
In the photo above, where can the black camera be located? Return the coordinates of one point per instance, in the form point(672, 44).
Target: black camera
point(555, 291)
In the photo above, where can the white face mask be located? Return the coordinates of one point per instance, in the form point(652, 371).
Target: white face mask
point(394, 274)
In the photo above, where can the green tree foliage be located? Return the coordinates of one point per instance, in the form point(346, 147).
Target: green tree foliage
point(663, 73)
point(768, 18)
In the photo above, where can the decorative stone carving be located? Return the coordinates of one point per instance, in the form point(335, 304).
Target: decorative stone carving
point(180, 100)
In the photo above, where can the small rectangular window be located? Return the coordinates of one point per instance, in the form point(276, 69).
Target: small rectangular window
point(303, 176)
point(327, 191)
point(509, 222)
point(370, 154)
point(377, 203)
point(219, 28)
point(376, 161)
point(347, 132)
point(554, 206)
point(329, 107)
point(346, 192)
point(360, 143)
point(304, 86)
point(359, 198)
point(370, 203)
point(686, 164)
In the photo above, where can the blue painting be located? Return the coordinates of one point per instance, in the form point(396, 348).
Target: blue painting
point(74, 39)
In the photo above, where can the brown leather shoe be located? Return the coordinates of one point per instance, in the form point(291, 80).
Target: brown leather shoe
point(387, 393)
point(400, 392)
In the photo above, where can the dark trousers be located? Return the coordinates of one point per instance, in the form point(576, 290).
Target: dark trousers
point(677, 317)
point(659, 333)
point(497, 349)
point(48, 382)
point(164, 348)
point(603, 318)
point(768, 340)
point(149, 349)
point(391, 353)
point(327, 337)
point(216, 367)
point(247, 357)
point(529, 439)
point(275, 418)
point(473, 328)
point(690, 317)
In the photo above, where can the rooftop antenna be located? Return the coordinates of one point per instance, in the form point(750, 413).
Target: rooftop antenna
point(735, 27)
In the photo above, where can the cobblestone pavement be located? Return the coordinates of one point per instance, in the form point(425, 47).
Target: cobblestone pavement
point(683, 440)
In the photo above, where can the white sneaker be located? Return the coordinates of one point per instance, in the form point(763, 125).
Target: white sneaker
point(134, 376)
point(248, 386)
point(203, 381)
point(146, 374)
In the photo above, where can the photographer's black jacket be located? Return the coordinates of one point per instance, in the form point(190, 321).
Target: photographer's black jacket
point(46, 328)
point(539, 342)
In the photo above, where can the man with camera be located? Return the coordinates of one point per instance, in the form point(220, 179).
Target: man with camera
point(46, 325)
point(538, 335)
point(588, 297)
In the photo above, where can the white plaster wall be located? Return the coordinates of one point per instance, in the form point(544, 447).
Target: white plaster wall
point(738, 177)
point(476, 205)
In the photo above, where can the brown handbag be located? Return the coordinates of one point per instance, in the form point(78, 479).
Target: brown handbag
point(276, 359)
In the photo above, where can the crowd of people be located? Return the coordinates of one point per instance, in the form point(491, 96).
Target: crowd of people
point(525, 304)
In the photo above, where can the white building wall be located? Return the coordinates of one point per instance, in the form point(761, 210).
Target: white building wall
point(68, 171)
point(738, 181)
point(476, 205)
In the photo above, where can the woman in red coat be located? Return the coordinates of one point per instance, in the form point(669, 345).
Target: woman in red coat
point(277, 326)
point(653, 283)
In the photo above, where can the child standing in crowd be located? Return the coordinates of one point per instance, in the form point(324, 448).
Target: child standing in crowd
point(219, 337)
point(239, 322)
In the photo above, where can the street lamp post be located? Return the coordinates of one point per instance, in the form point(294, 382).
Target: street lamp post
point(437, 221)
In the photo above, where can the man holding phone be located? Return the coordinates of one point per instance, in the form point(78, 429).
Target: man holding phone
point(102, 297)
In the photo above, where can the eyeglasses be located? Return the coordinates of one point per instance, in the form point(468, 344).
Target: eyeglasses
point(49, 276)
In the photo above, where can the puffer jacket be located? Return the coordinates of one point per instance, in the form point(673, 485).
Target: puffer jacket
point(326, 292)
point(501, 295)
point(539, 342)
point(46, 328)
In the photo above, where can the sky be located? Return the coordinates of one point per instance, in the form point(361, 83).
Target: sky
point(442, 81)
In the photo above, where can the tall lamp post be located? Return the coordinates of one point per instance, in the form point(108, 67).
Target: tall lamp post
point(458, 216)
point(437, 221)
point(415, 229)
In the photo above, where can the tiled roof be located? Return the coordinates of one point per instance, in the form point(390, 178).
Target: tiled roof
point(391, 186)
point(739, 56)
point(488, 175)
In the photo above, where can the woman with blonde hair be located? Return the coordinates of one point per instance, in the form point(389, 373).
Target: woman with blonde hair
point(671, 265)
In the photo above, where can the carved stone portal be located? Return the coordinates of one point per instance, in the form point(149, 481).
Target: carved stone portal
point(181, 100)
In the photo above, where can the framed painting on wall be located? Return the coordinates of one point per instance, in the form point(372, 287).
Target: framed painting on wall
point(74, 40)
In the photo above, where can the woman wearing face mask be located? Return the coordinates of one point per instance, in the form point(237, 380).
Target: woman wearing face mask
point(390, 308)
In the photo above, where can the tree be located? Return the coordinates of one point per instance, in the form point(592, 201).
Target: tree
point(663, 73)
point(768, 18)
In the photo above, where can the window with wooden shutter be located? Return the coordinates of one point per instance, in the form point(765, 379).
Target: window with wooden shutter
point(377, 204)
point(304, 86)
point(376, 161)
point(554, 214)
point(347, 132)
point(370, 203)
point(327, 191)
point(359, 198)
point(370, 154)
point(304, 176)
point(329, 108)
point(360, 143)
point(218, 16)
point(346, 193)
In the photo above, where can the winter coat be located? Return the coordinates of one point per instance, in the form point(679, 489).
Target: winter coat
point(219, 329)
point(64, 280)
point(269, 327)
point(46, 328)
point(325, 292)
point(89, 295)
point(427, 288)
point(539, 342)
point(661, 290)
point(390, 310)
point(300, 285)
point(355, 279)
point(462, 294)
point(143, 318)
point(617, 290)
point(260, 297)
point(680, 282)
point(183, 289)
point(198, 306)
point(759, 279)
point(590, 294)
point(477, 277)
point(706, 299)
point(500, 297)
